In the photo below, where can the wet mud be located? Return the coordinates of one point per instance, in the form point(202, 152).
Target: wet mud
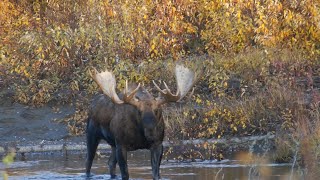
point(24, 125)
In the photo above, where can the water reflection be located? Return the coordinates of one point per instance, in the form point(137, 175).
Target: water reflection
point(72, 167)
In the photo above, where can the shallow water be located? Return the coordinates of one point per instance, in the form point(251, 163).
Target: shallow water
point(48, 166)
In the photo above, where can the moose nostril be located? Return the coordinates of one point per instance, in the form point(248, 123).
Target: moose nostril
point(148, 131)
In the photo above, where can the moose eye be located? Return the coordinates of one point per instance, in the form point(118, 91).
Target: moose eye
point(157, 112)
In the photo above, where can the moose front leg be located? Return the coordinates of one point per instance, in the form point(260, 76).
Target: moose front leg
point(92, 144)
point(112, 163)
point(121, 154)
point(156, 156)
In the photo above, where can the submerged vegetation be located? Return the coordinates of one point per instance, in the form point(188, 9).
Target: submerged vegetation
point(7, 160)
point(260, 68)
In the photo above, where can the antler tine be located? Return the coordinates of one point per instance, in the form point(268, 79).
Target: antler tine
point(166, 93)
point(158, 88)
point(185, 80)
point(126, 88)
point(168, 89)
point(129, 97)
point(107, 84)
point(93, 75)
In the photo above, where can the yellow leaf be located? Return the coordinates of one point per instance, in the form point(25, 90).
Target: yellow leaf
point(239, 14)
point(5, 176)
point(155, 51)
point(39, 49)
point(215, 84)
point(235, 128)
point(153, 46)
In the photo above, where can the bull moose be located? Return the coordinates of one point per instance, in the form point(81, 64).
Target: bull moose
point(133, 120)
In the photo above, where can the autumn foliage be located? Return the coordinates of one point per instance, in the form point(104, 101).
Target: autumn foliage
point(52, 38)
point(261, 59)
point(248, 48)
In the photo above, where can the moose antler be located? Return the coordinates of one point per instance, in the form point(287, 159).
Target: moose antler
point(107, 83)
point(185, 80)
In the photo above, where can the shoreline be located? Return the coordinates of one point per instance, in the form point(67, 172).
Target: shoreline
point(234, 144)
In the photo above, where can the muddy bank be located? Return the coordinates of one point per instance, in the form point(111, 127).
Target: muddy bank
point(24, 124)
point(253, 144)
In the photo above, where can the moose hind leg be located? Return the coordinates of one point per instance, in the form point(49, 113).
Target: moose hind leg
point(112, 163)
point(92, 144)
point(156, 156)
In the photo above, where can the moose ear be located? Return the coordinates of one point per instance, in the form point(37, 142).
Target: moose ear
point(137, 98)
point(159, 98)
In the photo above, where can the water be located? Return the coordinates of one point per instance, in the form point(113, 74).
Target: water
point(48, 166)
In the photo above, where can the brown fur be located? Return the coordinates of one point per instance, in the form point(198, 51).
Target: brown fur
point(126, 128)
